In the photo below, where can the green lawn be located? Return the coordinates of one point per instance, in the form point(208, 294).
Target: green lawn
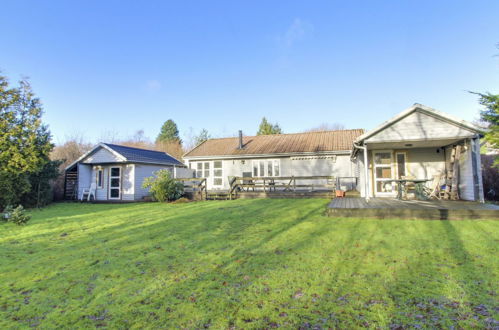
point(244, 264)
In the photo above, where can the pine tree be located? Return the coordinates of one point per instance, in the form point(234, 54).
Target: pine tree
point(267, 128)
point(169, 132)
point(25, 141)
point(490, 115)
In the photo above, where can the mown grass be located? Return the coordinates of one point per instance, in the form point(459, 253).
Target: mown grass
point(243, 264)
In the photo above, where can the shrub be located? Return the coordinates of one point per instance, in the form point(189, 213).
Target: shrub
point(163, 187)
point(182, 200)
point(17, 215)
point(490, 176)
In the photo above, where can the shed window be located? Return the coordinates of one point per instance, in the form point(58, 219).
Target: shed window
point(100, 178)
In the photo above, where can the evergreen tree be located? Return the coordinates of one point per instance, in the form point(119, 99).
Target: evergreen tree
point(267, 128)
point(169, 132)
point(24, 141)
point(490, 115)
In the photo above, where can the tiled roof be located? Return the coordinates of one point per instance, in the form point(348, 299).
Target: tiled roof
point(324, 141)
point(143, 155)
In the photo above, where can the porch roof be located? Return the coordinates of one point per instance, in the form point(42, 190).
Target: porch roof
point(416, 127)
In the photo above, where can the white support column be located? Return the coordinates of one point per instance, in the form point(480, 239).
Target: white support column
point(366, 175)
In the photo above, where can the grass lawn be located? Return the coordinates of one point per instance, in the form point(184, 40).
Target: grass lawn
point(244, 264)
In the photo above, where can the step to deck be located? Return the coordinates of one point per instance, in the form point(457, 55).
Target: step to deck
point(384, 208)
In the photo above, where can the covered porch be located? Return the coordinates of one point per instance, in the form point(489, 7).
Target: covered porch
point(388, 208)
point(427, 152)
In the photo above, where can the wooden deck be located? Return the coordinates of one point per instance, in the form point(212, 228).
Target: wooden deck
point(225, 194)
point(386, 208)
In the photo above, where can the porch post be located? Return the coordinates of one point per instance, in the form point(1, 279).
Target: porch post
point(476, 167)
point(367, 192)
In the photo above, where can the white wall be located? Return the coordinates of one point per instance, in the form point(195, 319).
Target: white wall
point(341, 166)
point(143, 171)
point(101, 156)
point(419, 126)
point(84, 177)
point(424, 163)
point(128, 182)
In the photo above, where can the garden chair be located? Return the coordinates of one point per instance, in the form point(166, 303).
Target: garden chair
point(434, 191)
point(88, 192)
point(409, 187)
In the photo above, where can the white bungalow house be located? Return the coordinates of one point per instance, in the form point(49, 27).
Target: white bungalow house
point(420, 143)
point(325, 153)
point(116, 172)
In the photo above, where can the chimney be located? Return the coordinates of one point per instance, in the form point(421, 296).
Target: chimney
point(240, 140)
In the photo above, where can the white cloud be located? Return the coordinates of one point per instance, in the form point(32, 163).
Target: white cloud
point(153, 85)
point(295, 32)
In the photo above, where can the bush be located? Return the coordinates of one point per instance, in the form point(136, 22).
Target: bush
point(17, 215)
point(490, 176)
point(182, 200)
point(163, 187)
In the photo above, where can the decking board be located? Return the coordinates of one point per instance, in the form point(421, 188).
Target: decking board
point(382, 208)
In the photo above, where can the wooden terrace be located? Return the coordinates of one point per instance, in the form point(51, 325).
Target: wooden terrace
point(264, 187)
point(388, 208)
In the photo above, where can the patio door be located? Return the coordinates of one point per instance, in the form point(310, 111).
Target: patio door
point(383, 173)
point(115, 183)
point(217, 174)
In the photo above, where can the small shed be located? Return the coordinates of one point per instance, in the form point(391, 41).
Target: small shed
point(118, 172)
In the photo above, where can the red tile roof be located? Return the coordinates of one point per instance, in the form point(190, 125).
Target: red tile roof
point(324, 141)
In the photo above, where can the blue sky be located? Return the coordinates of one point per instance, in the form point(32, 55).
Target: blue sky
point(121, 66)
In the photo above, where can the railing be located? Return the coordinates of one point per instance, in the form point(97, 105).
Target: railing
point(280, 183)
point(347, 183)
point(194, 185)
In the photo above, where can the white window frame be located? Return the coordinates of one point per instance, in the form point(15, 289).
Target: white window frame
point(258, 162)
point(218, 177)
point(201, 169)
point(101, 172)
point(119, 181)
point(397, 163)
point(392, 171)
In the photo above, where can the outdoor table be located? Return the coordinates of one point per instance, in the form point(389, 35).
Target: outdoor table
point(401, 183)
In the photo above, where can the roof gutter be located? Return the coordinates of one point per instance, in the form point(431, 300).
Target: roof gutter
point(284, 154)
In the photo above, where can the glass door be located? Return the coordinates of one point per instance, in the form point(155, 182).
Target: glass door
point(217, 173)
point(383, 186)
point(115, 183)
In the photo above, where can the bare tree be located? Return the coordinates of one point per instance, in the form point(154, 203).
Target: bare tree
point(68, 152)
point(173, 148)
point(138, 140)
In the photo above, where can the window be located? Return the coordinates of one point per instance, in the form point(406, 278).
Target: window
point(207, 169)
point(99, 178)
point(217, 173)
point(199, 170)
point(203, 170)
point(401, 172)
point(267, 167)
point(276, 167)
